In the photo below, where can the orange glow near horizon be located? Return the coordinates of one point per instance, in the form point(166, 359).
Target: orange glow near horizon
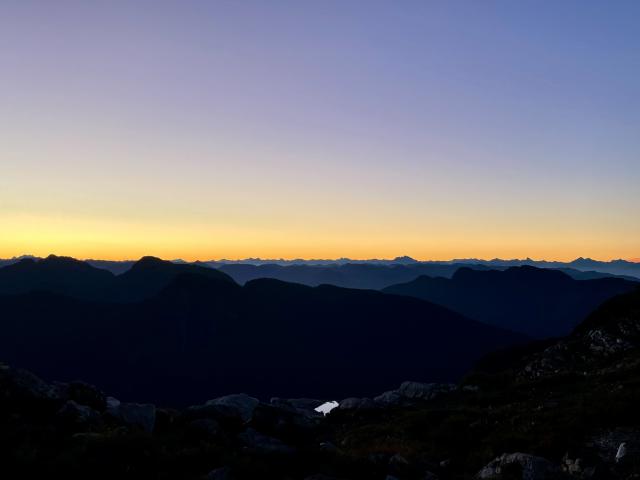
point(120, 240)
point(173, 132)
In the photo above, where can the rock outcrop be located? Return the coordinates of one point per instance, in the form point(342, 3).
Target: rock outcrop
point(519, 465)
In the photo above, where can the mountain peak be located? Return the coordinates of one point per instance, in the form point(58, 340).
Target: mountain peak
point(405, 259)
point(60, 259)
point(149, 262)
point(58, 263)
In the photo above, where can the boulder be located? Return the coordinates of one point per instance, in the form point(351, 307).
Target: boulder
point(529, 467)
point(263, 443)
point(21, 385)
point(327, 447)
point(354, 403)
point(86, 394)
point(399, 465)
point(239, 405)
point(284, 420)
point(412, 391)
point(204, 428)
point(306, 404)
point(572, 466)
point(390, 398)
point(222, 473)
point(424, 391)
point(132, 414)
point(78, 415)
point(628, 456)
point(622, 452)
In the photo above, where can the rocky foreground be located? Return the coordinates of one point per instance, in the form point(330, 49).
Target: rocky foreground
point(554, 409)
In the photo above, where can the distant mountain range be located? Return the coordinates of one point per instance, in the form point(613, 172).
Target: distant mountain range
point(177, 333)
point(349, 275)
point(538, 302)
point(376, 273)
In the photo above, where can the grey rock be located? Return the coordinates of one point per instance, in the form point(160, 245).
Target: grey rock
point(532, 467)
point(222, 473)
point(304, 404)
point(280, 419)
point(428, 475)
point(113, 404)
point(263, 443)
point(134, 414)
point(22, 384)
point(573, 466)
point(78, 414)
point(409, 392)
point(618, 446)
point(204, 427)
point(392, 397)
point(399, 465)
point(471, 388)
point(328, 447)
point(86, 394)
point(424, 391)
point(622, 452)
point(353, 403)
point(238, 405)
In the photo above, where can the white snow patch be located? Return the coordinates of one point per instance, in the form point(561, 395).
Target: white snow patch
point(326, 407)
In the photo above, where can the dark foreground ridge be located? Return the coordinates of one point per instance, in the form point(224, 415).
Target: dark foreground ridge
point(564, 409)
point(196, 334)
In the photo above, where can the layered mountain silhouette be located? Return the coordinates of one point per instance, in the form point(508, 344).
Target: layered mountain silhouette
point(349, 275)
point(197, 334)
point(74, 278)
point(374, 274)
point(538, 302)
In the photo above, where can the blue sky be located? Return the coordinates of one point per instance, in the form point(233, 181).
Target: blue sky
point(320, 129)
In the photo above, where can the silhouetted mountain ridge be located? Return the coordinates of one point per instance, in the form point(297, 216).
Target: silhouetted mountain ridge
point(68, 276)
point(203, 335)
point(538, 302)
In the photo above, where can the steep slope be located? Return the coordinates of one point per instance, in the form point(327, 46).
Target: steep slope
point(607, 341)
point(538, 302)
point(204, 336)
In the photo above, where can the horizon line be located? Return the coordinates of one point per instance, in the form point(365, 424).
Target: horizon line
point(293, 259)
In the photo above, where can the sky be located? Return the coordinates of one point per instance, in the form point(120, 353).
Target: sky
point(320, 129)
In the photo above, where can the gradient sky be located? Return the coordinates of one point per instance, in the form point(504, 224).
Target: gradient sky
point(210, 129)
